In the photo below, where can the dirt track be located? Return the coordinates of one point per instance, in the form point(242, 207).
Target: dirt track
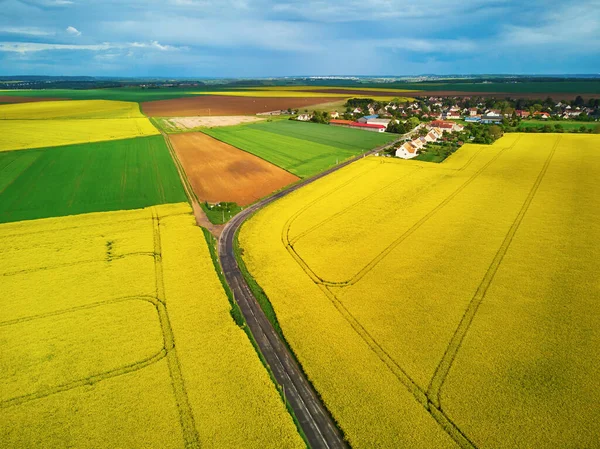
point(225, 105)
point(11, 99)
point(219, 172)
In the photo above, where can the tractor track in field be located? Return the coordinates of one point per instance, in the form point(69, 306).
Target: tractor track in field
point(312, 416)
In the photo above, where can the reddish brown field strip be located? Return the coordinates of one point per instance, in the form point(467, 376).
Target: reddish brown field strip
point(11, 99)
point(225, 105)
point(219, 172)
point(452, 93)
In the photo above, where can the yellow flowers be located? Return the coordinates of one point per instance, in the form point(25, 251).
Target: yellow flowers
point(117, 331)
point(76, 109)
point(54, 123)
point(371, 270)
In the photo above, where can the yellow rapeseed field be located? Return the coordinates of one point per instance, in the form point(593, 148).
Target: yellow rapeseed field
point(70, 109)
point(23, 134)
point(116, 332)
point(53, 123)
point(457, 300)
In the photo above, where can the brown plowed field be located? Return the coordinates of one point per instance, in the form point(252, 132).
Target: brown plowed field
point(454, 93)
point(219, 172)
point(225, 105)
point(11, 99)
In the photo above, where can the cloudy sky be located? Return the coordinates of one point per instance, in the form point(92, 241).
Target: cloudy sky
point(230, 38)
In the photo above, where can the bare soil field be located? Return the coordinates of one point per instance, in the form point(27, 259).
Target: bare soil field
point(208, 105)
point(211, 121)
point(15, 99)
point(219, 172)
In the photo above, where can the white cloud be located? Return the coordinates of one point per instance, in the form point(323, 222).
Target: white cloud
point(28, 47)
point(73, 31)
point(26, 31)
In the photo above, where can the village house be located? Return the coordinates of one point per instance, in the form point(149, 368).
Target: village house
point(335, 114)
point(407, 151)
point(445, 126)
point(452, 115)
point(473, 112)
point(304, 117)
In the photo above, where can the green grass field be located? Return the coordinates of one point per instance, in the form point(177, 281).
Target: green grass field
point(93, 177)
point(568, 125)
point(303, 149)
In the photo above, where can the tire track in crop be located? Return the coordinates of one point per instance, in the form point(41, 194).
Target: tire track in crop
point(375, 261)
point(94, 378)
point(341, 212)
point(151, 299)
point(90, 380)
point(418, 393)
point(443, 368)
point(72, 264)
point(297, 214)
point(85, 225)
point(186, 416)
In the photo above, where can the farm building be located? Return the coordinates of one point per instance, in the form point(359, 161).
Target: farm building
point(379, 121)
point(491, 118)
point(357, 125)
point(366, 118)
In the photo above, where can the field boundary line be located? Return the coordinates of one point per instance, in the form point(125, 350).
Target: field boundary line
point(443, 368)
point(186, 416)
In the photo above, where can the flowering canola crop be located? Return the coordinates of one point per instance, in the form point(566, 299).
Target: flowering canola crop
point(116, 333)
point(446, 293)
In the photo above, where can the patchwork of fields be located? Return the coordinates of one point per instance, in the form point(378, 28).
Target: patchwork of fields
point(303, 149)
point(461, 296)
point(116, 332)
point(93, 177)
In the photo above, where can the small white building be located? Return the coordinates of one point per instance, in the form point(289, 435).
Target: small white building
point(335, 114)
point(304, 117)
point(407, 151)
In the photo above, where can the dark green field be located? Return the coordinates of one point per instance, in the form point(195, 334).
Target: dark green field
point(92, 177)
point(568, 125)
point(303, 149)
point(120, 94)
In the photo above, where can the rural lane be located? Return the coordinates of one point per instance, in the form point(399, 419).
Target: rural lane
point(313, 417)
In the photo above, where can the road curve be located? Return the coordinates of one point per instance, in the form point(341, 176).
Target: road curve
point(313, 417)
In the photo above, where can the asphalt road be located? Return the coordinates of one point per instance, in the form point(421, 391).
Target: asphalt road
point(315, 420)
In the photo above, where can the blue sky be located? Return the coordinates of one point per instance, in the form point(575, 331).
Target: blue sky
point(246, 38)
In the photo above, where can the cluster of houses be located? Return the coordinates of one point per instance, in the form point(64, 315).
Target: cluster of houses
point(436, 129)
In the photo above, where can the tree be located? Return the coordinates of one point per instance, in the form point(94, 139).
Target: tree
point(495, 132)
point(596, 129)
point(579, 101)
point(412, 122)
